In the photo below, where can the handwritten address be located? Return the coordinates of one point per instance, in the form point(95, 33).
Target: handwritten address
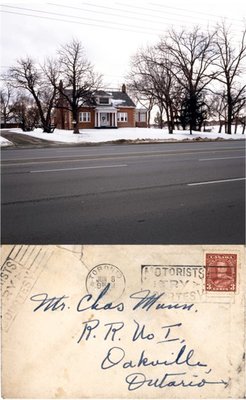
point(177, 364)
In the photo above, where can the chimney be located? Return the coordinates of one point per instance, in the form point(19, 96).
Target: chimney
point(123, 88)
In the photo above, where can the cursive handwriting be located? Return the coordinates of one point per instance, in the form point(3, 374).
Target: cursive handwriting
point(145, 301)
point(87, 302)
point(89, 326)
point(184, 356)
point(137, 380)
point(46, 303)
point(95, 305)
point(148, 300)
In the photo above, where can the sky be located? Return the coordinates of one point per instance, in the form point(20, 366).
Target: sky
point(111, 31)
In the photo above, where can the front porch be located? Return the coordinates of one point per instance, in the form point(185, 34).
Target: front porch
point(106, 117)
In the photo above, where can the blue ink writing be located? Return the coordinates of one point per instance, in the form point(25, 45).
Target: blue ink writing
point(184, 356)
point(53, 303)
point(95, 305)
point(114, 327)
point(89, 326)
point(147, 301)
point(137, 380)
point(167, 338)
point(140, 333)
point(112, 330)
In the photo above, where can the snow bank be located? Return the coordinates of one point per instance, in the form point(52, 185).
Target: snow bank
point(4, 142)
point(136, 134)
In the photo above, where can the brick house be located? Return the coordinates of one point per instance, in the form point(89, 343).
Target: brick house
point(107, 109)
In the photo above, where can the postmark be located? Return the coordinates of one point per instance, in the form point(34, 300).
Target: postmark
point(102, 275)
point(179, 282)
point(20, 270)
point(221, 272)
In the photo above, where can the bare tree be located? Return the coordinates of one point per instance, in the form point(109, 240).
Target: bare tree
point(230, 66)
point(192, 56)
point(147, 102)
point(26, 75)
point(150, 77)
point(78, 81)
point(25, 111)
point(6, 99)
point(242, 118)
point(218, 107)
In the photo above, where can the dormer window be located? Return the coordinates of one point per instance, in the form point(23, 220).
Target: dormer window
point(103, 100)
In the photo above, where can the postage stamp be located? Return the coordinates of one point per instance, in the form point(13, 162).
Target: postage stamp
point(221, 272)
point(102, 275)
point(20, 270)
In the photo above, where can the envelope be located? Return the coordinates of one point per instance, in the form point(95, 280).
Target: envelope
point(123, 321)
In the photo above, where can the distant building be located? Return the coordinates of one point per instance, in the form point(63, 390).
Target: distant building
point(12, 122)
point(106, 109)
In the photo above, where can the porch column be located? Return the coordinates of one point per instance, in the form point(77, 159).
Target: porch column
point(95, 119)
point(99, 119)
point(115, 118)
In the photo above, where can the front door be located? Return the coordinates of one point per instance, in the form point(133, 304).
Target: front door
point(104, 119)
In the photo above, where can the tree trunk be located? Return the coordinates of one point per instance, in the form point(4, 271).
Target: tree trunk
point(226, 127)
point(243, 131)
point(169, 125)
point(161, 115)
point(76, 128)
point(148, 119)
point(229, 113)
point(5, 117)
point(177, 121)
point(220, 128)
point(171, 118)
point(47, 128)
point(75, 121)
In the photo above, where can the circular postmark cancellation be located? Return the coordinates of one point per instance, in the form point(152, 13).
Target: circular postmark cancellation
point(103, 275)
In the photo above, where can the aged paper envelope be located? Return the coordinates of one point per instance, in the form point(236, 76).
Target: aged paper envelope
point(123, 322)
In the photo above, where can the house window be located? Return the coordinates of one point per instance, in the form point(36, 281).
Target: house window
point(103, 100)
point(122, 117)
point(142, 117)
point(84, 117)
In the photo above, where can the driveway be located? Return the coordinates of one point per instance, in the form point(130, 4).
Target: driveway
point(23, 140)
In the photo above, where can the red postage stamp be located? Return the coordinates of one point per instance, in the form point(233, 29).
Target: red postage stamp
point(221, 272)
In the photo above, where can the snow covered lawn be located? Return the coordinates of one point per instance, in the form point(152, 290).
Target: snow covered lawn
point(128, 134)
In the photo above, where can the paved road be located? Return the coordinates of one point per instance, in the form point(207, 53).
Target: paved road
point(156, 193)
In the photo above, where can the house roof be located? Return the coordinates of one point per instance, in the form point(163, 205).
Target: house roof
point(126, 101)
point(121, 98)
point(102, 93)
